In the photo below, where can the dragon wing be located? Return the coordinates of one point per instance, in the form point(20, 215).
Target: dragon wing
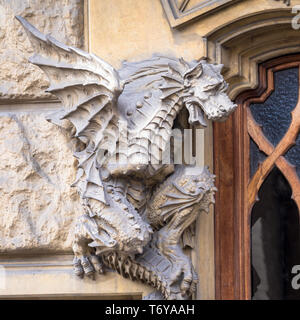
point(88, 88)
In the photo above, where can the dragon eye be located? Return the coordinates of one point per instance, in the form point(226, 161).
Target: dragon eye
point(223, 86)
point(209, 87)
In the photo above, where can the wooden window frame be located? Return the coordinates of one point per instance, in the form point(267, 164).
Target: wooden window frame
point(233, 207)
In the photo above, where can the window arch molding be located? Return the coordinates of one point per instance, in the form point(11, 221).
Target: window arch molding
point(244, 43)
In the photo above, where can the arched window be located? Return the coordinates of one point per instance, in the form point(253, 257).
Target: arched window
point(257, 163)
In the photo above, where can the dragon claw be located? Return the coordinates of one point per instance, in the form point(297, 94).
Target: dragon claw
point(87, 265)
point(183, 279)
point(78, 270)
point(95, 261)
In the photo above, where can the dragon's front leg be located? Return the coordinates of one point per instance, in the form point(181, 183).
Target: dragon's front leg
point(85, 260)
point(167, 241)
point(104, 229)
point(174, 206)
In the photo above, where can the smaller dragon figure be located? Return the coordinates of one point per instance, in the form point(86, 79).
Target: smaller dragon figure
point(137, 209)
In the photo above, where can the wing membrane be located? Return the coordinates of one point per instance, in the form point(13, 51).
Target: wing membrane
point(88, 88)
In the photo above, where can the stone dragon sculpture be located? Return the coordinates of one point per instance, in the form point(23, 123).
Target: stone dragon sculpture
point(136, 208)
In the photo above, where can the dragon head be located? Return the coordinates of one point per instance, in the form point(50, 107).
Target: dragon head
point(205, 93)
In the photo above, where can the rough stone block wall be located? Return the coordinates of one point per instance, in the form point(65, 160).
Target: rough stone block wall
point(62, 18)
point(38, 207)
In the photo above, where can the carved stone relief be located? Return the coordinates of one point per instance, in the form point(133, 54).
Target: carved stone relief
point(136, 206)
point(180, 12)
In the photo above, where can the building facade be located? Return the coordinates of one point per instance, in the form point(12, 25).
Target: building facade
point(254, 153)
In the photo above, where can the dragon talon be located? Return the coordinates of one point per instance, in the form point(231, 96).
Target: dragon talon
point(87, 267)
point(78, 270)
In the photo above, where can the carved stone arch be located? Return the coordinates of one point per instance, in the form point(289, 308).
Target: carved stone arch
point(249, 40)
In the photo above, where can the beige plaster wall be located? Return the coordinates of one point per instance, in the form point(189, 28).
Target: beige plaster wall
point(135, 29)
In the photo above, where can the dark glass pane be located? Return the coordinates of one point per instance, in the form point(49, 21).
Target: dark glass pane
point(256, 157)
point(275, 113)
point(275, 240)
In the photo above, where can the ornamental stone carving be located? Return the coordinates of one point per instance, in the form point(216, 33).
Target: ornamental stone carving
point(138, 200)
point(181, 12)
